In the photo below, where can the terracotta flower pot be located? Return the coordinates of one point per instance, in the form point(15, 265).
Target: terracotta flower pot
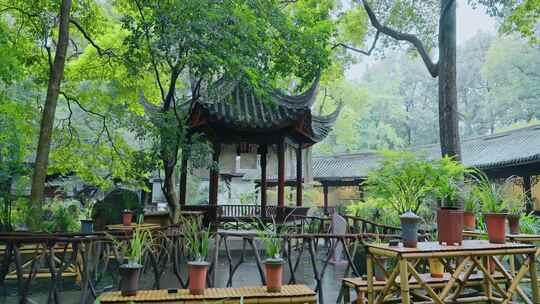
point(127, 217)
point(469, 220)
point(87, 226)
point(274, 274)
point(436, 268)
point(450, 226)
point(495, 223)
point(409, 229)
point(197, 277)
point(129, 279)
point(513, 223)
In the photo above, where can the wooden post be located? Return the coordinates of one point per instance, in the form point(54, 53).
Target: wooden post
point(404, 281)
point(370, 273)
point(214, 176)
point(528, 192)
point(325, 194)
point(534, 278)
point(183, 180)
point(281, 173)
point(299, 176)
point(264, 150)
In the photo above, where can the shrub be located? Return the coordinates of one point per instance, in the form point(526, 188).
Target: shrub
point(56, 216)
point(403, 180)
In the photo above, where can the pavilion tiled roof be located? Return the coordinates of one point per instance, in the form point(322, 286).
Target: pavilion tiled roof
point(505, 149)
point(344, 166)
point(239, 106)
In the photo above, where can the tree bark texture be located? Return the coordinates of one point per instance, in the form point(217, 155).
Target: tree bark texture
point(448, 105)
point(47, 119)
point(169, 190)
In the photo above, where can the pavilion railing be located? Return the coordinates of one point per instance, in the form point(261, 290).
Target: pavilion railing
point(251, 210)
point(239, 210)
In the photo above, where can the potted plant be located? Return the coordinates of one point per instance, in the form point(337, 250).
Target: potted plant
point(132, 252)
point(409, 229)
point(449, 177)
point(197, 242)
point(449, 216)
point(127, 217)
point(87, 223)
point(274, 263)
point(490, 197)
point(470, 207)
point(515, 203)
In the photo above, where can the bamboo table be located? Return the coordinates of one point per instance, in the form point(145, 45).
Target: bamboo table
point(255, 294)
point(121, 227)
point(519, 238)
point(474, 255)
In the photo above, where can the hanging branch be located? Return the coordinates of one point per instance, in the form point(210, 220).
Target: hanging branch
point(100, 51)
point(432, 67)
point(367, 53)
point(152, 55)
point(104, 129)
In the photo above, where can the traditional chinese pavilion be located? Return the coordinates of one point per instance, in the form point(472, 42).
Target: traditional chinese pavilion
point(241, 120)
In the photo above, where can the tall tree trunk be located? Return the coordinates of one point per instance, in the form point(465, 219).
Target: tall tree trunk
point(448, 106)
point(47, 119)
point(169, 188)
point(169, 155)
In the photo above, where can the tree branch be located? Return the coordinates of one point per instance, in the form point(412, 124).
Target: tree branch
point(432, 67)
point(105, 128)
point(526, 73)
point(152, 56)
point(175, 73)
point(367, 53)
point(86, 36)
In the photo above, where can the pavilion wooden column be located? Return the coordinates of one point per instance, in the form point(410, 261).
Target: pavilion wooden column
point(214, 176)
point(281, 174)
point(183, 180)
point(299, 176)
point(528, 192)
point(325, 195)
point(264, 150)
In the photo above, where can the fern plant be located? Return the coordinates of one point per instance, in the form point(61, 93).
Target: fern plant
point(489, 194)
point(529, 224)
point(470, 201)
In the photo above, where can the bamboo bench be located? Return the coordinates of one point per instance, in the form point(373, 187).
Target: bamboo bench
point(300, 294)
point(360, 285)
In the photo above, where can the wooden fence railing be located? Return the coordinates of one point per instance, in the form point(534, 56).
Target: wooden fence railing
point(26, 257)
point(361, 225)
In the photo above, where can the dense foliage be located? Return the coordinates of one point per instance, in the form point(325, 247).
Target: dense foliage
point(395, 105)
point(133, 68)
